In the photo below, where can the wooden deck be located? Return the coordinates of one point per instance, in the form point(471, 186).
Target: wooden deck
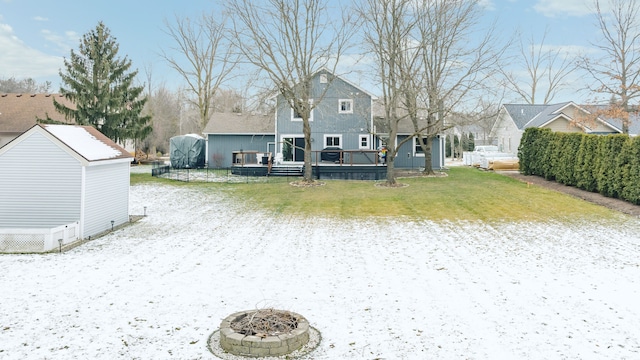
point(332, 164)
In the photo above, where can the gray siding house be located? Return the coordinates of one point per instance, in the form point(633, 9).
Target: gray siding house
point(342, 118)
point(60, 183)
point(227, 133)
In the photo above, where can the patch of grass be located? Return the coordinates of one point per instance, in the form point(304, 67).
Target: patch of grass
point(465, 194)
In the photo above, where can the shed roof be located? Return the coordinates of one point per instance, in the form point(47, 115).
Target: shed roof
point(240, 124)
point(19, 112)
point(88, 142)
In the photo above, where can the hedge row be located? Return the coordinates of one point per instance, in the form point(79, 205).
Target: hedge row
point(608, 164)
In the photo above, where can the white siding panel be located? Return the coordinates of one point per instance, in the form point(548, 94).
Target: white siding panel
point(40, 185)
point(106, 197)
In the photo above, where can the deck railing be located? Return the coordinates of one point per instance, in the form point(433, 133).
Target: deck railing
point(347, 157)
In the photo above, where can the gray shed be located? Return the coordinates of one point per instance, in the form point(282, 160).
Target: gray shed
point(60, 184)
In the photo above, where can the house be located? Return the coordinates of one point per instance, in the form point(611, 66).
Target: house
point(342, 132)
point(513, 119)
point(59, 184)
point(229, 132)
point(19, 112)
point(410, 154)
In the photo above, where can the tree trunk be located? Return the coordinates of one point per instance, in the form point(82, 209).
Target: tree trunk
point(391, 176)
point(428, 169)
point(391, 158)
point(308, 169)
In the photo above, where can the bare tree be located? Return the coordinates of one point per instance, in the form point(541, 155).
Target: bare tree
point(617, 72)
point(228, 100)
point(290, 41)
point(27, 86)
point(545, 71)
point(164, 105)
point(453, 63)
point(387, 27)
point(428, 64)
point(210, 59)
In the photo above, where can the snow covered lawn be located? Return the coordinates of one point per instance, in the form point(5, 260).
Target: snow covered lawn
point(388, 289)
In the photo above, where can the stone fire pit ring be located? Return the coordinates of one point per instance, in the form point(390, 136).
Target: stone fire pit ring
point(262, 345)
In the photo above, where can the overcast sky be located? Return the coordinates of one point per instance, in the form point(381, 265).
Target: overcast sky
point(35, 35)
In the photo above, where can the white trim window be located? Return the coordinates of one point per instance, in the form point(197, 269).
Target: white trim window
point(345, 106)
point(295, 116)
point(323, 79)
point(417, 149)
point(333, 140)
point(363, 141)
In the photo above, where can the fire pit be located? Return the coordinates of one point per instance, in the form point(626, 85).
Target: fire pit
point(264, 332)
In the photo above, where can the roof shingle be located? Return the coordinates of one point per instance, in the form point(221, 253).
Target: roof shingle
point(19, 112)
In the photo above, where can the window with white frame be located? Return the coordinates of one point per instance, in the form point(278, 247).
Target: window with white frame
point(296, 116)
point(364, 142)
point(345, 106)
point(333, 141)
point(323, 78)
point(416, 146)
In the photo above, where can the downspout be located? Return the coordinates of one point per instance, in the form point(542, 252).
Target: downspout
point(372, 136)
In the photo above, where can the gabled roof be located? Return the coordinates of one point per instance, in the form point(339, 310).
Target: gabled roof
point(341, 78)
point(634, 124)
point(532, 115)
point(89, 144)
point(325, 70)
point(241, 124)
point(18, 112)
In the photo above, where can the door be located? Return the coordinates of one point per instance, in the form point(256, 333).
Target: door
point(293, 149)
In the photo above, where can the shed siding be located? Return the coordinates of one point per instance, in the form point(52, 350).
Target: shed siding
point(40, 185)
point(107, 197)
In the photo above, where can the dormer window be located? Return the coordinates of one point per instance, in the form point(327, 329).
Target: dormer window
point(345, 106)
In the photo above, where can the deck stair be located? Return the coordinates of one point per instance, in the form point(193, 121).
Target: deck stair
point(286, 171)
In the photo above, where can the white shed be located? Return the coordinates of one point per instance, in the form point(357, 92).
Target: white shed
point(60, 184)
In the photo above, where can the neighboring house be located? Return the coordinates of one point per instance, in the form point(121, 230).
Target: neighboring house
point(514, 119)
point(342, 119)
point(19, 112)
point(61, 182)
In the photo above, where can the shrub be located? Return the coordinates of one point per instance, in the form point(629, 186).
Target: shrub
point(585, 165)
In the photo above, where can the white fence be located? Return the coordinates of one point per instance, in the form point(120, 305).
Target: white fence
point(37, 240)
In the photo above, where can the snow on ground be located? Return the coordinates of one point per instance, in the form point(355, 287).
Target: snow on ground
point(392, 289)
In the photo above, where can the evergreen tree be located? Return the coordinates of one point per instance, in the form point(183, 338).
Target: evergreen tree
point(101, 87)
point(471, 145)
